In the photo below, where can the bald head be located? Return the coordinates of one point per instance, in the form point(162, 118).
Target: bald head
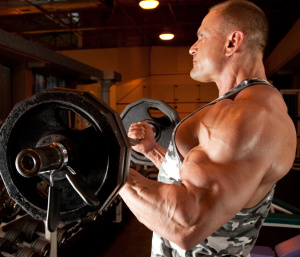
point(247, 17)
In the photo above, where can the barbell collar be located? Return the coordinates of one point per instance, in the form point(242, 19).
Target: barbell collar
point(82, 190)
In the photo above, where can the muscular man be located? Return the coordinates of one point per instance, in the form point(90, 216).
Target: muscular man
point(217, 179)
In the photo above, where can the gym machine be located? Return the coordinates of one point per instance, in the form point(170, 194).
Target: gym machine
point(61, 175)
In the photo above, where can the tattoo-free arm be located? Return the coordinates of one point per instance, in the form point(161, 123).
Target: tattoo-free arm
point(218, 178)
point(186, 214)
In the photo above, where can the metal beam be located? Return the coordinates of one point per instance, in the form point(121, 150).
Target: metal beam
point(49, 31)
point(133, 21)
point(26, 48)
point(176, 21)
point(286, 49)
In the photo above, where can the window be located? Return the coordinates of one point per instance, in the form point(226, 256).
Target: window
point(42, 82)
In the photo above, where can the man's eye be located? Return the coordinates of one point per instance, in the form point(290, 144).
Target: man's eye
point(201, 37)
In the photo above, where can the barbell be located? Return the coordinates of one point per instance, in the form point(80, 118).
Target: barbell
point(82, 166)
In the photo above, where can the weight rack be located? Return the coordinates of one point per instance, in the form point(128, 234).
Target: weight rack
point(27, 237)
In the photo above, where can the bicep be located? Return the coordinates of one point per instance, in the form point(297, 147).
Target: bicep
point(220, 189)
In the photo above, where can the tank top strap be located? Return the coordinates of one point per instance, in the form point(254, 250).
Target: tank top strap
point(244, 84)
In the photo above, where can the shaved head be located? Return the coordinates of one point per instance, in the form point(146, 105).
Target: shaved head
point(244, 16)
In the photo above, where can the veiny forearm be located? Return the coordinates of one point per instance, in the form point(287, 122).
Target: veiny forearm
point(147, 199)
point(156, 155)
point(161, 207)
point(185, 214)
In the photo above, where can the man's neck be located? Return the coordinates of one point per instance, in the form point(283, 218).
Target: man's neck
point(237, 72)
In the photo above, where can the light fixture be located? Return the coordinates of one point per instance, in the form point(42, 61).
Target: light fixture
point(148, 4)
point(166, 36)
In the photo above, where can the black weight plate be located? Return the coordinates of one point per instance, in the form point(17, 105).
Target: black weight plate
point(99, 154)
point(163, 125)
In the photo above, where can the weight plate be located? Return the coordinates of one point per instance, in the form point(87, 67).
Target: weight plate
point(162, 117)
point(41, 246)
point(99, 153)
point(31, 228)
point(27, 252)
point(5, 245)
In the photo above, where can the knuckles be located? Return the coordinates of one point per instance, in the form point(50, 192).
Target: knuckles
point(136, 130)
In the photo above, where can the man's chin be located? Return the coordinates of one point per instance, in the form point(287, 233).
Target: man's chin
point(200, 78)
point(195, 75)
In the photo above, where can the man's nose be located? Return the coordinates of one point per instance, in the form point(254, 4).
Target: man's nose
point(193, 49)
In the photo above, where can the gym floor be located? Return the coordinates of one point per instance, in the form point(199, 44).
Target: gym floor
point(108, 239)
point(130, 238)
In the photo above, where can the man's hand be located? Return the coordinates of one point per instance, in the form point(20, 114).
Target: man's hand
point(147, 145)
point(144, 132)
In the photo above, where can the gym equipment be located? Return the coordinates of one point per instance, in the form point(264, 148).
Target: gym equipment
point(15, 237)
point(261, 251)
point(26, 252)
point(8, 208)
point(289, 248)
point(64, 157)
point(5, 245)
point(83, 168)
point(151, 111)
point(41, 246)
point(27, 232)
point(33, 229)
point(288, 215)
point(17, 240)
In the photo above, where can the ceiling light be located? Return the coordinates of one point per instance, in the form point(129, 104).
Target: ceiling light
point(148, 4)
point(166, 36)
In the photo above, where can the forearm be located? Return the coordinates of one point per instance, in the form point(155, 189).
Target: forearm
point(184, 214)
point(156, 155)
point(147, 200)
point(163, 208)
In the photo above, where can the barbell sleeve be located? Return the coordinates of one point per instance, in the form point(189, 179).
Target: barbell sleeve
point(31, 162)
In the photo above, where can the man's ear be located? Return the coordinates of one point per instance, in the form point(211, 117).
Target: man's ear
point(233, 42)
